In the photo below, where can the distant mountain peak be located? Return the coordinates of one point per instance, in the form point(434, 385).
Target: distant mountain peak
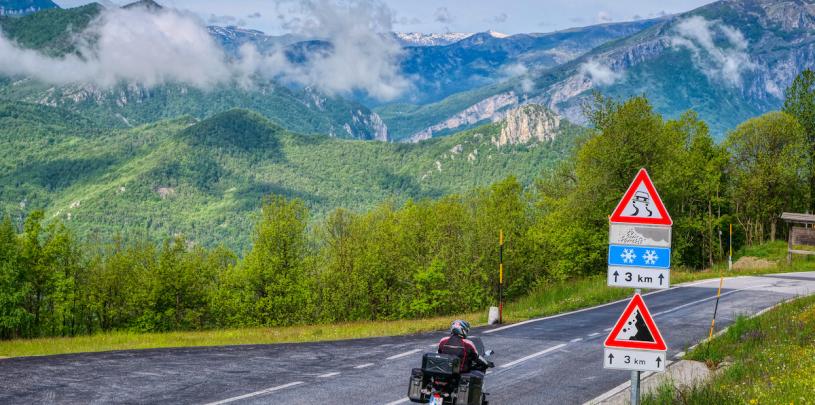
point(496, 34)
point(19, 8)
point(431, 39)
point(145, 4)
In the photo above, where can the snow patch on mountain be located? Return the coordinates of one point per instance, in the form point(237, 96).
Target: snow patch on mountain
point(432, 39)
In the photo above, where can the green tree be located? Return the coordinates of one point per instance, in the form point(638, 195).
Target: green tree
point(13, 289)
point(799, 101)
point(275, 271)
point(768, 166)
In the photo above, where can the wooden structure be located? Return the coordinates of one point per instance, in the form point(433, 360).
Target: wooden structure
point(802, 233)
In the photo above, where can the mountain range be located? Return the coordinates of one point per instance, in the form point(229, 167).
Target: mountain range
point(729, 60)
point(174, 158)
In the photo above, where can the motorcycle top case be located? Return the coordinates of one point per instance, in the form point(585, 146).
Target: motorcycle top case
point(441, 365)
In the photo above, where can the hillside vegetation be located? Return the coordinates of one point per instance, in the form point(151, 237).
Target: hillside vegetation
point(206, 179)
point(417, 259)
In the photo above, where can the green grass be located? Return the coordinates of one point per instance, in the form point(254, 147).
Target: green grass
point(544, 300)
point(772, 356)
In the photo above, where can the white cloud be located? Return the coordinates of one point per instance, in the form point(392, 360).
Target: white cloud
point(154, 48)
point(442, 15)
point(719, 50)
point(127, 45)
point(604, 17)
point(361, 58)
point(500, 18)
point(599, 73)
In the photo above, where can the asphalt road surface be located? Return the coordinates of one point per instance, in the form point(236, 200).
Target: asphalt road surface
point(555, 360)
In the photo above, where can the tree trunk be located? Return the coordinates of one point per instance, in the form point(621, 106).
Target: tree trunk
point(772, 230)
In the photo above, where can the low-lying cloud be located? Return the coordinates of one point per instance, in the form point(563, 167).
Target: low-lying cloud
point(152, 48)
point(719, 50)
point(130, 46)
point(599, 73)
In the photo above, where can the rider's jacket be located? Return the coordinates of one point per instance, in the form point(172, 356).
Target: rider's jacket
point(463, 348)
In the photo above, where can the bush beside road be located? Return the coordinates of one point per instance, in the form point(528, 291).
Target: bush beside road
point(543, 300)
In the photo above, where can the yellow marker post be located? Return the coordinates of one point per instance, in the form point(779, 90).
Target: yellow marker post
point(501, 276)
point(721, 282)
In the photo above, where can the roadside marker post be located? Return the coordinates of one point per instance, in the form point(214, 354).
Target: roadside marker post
point(500, 276)
point(639, 256)
point(721, 283)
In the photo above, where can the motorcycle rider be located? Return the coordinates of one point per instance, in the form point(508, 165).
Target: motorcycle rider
point(458, 345)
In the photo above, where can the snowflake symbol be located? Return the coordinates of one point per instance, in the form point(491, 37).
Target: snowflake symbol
point(650, 257)
point(628, 256)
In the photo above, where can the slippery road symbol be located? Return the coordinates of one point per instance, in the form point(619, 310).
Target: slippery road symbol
point(641, 199)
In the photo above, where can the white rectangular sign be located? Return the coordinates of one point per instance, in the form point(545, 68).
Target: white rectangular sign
point(639, 277)
point(632, 359)
point(639, 235)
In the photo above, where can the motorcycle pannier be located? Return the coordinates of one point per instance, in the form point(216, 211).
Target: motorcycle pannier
point(441, 365)
point(469, 390)
point(417, 382)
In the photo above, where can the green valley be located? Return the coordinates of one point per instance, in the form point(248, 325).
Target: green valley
point(206, 179)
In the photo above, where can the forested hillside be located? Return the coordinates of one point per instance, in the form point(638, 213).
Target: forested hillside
point(206, 179)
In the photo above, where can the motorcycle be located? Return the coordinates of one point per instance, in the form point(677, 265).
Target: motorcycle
point(440, 382)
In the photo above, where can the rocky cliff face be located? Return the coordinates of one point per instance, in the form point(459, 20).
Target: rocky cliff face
point(488, 109)
point(527, 124)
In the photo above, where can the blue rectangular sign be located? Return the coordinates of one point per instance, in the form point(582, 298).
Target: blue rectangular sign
point(638, 256)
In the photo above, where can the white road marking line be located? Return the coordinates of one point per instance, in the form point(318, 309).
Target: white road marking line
point(329, 375)
point(708, 299)
point(594, 334)
point(254, 394)
point(399, 401)
point(607, 329)
point(364, 365)
point(598, 306)
point(434, 345)
point(575, 340)
point(400, 355)
point(533, 355)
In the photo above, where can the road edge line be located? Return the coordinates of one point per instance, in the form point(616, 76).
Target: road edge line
point(528, 321)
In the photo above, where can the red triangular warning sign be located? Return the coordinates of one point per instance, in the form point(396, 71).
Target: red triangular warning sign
point(636, 329)
point(641, 204)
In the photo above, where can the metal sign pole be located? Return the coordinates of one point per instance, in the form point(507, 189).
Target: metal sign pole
point(635, 380)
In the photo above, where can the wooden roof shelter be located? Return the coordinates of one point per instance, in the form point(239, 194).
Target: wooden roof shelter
point(800, 236)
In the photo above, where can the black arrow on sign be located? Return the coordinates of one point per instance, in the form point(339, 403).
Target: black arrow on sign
point(661, 276)
point(615, 275)
point(659, 360)
point(611, 358)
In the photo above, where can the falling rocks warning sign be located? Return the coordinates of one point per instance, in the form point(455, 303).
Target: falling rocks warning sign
point(635, 342)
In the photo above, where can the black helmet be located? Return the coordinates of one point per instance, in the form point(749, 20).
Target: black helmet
point(460, 328)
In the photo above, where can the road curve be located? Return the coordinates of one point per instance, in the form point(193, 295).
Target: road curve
point(554, 360)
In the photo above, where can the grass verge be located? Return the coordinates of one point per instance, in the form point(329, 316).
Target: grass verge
point(772, 356)
point(545, 299)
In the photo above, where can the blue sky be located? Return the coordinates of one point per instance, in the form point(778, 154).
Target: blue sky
point(509, 16)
